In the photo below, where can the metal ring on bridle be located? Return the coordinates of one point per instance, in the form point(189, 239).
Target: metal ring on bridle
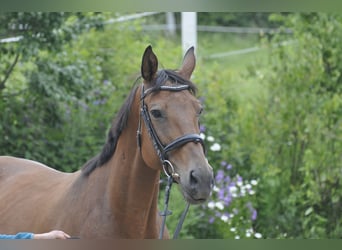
point(166, 168)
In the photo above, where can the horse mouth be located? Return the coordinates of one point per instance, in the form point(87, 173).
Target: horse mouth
point(191, 199)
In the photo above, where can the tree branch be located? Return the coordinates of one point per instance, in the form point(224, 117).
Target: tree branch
point(9, 71)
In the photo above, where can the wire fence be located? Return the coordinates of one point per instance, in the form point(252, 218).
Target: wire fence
point(200, 28)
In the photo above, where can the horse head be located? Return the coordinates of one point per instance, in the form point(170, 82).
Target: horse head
point(169, 135)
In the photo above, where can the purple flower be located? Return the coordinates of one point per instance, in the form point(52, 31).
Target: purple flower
point(221, 194)
point(211, 220)
point(223, 163)
point(227, 199)
point(202, 128)
point(219, 176)
point(254, 215)
point(229, 167)
point(232, 184)
point(227, 179)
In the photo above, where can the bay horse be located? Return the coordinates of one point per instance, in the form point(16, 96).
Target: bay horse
point(115, 194)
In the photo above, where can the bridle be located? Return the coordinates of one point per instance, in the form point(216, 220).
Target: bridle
point(162, 150)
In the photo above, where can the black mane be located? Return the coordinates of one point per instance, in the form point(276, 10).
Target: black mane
point(120, 121)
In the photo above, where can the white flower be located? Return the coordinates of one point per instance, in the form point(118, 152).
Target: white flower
point(248, 234)
point(202, 136)
point(211, 205)
point(210, 138)
point(233, 189)
point(215, 147)
point(258, 235)
point(251, 192)
point(237, 237)
point(219, 205)
point(224, 218)
point(233, 229)
point(243, 192)
point(216, 189)
point(248, 186)
point(254, 182)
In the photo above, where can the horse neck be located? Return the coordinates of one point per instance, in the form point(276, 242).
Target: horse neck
point(132, 187)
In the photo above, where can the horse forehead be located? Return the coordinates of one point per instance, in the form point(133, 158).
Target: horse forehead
point(176, 100)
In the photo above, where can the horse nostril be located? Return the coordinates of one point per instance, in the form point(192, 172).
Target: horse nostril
point(193, 178)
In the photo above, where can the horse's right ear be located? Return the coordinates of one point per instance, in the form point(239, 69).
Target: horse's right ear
point(149, 64)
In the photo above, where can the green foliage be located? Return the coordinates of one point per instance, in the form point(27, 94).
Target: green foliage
point(283, 129)
point(57, 107)
point(276, 121)
point(298, 132)
point(234, 19)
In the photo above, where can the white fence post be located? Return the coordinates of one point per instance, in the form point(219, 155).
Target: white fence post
point(189, 30)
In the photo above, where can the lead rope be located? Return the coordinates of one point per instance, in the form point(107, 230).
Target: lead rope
point(166, 212)
point(181, 220)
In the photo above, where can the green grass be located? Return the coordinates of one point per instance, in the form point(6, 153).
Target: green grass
point(243, 72)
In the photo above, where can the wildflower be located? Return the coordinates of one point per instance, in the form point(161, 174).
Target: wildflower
point(254, 215)
point(211, 220)
point(202, 136)
point(224, 218)
point(243, 191)
point(219, 205)
point(254, 182)
point(216, 189)
point(258, 235)
point(219, 176)
point(251, 192)
point(239, 181)
point(210, 138)
point(223, 163)
point(221, 194)
point(215, 147)
point(249, 232)
point(211, 205)
point(227, 200)
point(202, 128)
point(233, 189)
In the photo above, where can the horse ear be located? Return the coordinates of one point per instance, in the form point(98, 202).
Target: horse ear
point(149, 65)
point(189, 63)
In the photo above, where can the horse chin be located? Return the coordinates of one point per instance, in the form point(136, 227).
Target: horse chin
point(190, 199)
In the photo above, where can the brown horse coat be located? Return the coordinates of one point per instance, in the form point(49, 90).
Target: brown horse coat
point(115, 194)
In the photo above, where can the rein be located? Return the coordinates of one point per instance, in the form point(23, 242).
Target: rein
point(162, 151)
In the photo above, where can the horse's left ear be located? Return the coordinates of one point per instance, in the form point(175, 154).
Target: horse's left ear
point(189, 63)
point(149, 64)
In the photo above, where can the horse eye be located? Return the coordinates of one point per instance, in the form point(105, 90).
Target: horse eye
point(156, 113)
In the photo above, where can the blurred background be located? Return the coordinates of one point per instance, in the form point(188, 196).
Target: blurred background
point(270, 83)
